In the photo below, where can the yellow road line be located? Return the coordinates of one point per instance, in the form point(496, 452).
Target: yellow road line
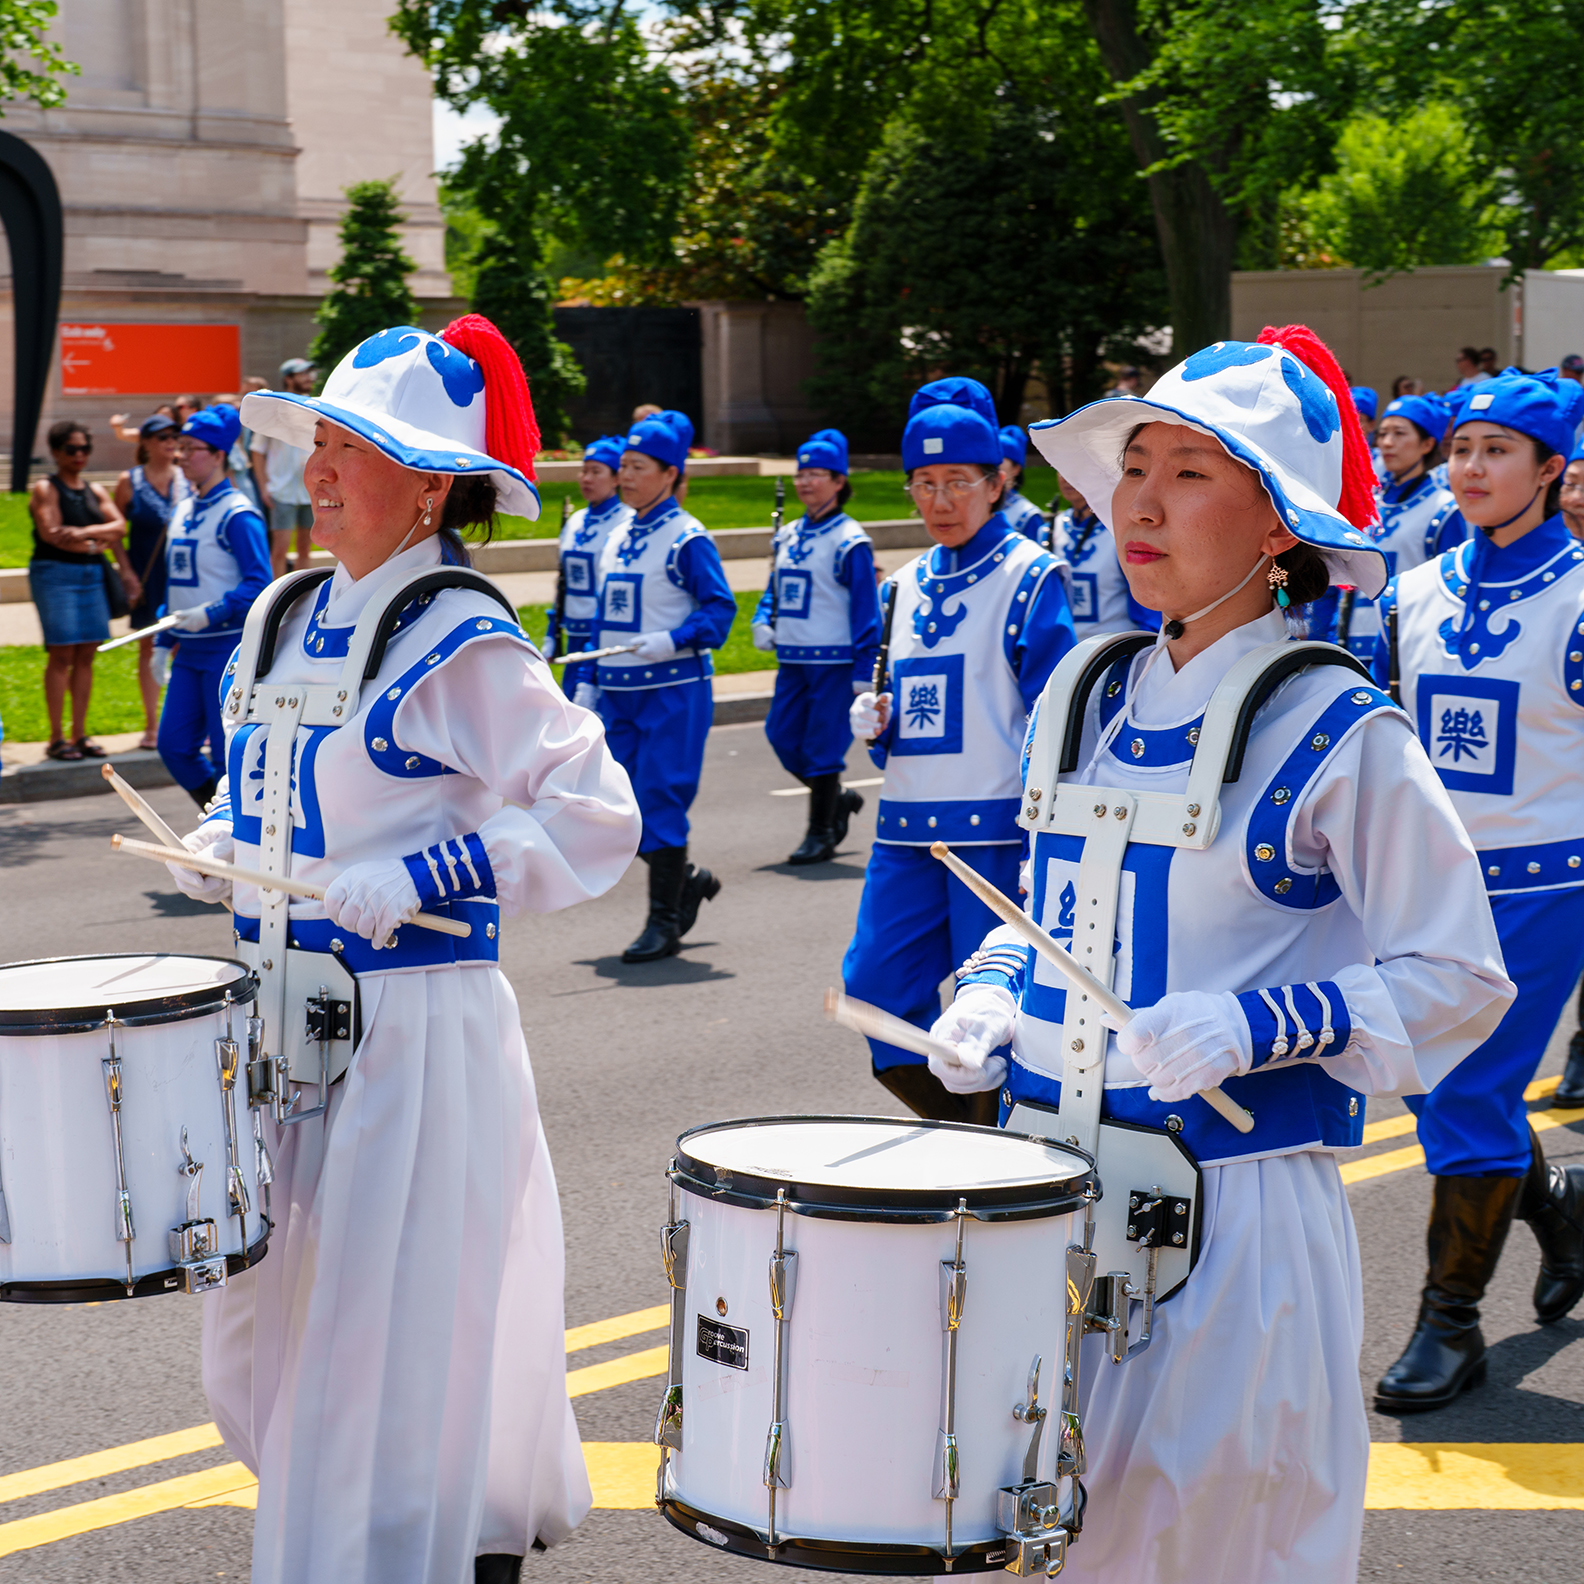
point(622, 1472)
point(1480, 1476)
point(23, 1534)
point(1392, 1127)
point(1380, 1165)
point(117, 1460)
point(630, 1367)
point(618, 1327)
point(1389, 1161)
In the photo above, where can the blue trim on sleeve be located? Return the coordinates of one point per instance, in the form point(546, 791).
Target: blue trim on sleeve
point(1307, 1026)
point(1047, 629)
point(452, 870)
point(694, 564)
point(856, 574)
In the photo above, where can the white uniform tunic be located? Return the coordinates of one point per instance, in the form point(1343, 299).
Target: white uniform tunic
point(1096, 587)
point(394, 1370)
point(1234, 1450)
point(582, 543)
point(1023, 515)
point(813, 608)
point(1413, 516)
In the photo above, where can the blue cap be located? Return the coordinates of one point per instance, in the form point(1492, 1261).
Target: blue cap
point(825, 448)
point(1578, 454)
point(681, 423)
point(607, 449)
point(959, 391)
point(156, 424)
point(1543, 406)
point(949, 433)
point(657, 437)
point(1427, 413)
point(1014, 444)
point(1364, 399)
point(216, 427)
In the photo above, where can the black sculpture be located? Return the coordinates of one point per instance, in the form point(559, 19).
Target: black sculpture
point(31, 210)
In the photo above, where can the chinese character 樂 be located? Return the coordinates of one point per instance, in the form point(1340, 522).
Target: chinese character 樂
point(1462, 733)
point(923, 704)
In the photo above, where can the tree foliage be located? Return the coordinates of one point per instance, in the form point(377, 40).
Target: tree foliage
point(370, 292)
point(31, 62)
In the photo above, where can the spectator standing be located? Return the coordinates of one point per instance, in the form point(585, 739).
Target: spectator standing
point(217, 564)
point(1127, 382)
point(1571, 500)
point(123, 428)
point(146, 495)
point(1469, 371)
point(74, 522)
point(278, 478)
point(1405, 385)
point(1572, 367)
point(184, 407)
point(1489, 368)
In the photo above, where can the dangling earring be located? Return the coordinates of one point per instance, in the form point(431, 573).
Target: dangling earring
point(429, 511)
point(1277, 578)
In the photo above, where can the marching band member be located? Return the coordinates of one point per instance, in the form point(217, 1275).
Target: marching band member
point(1366, 404)
point(1096, 586)
point(217, 562)
point(572, 617)
point(1316, 922)
point(394, 1371)
point(1018, 510)
point(1487, 646)
point(821, 615)
point(974, 627)
point(662, 589)
point(1571, 501)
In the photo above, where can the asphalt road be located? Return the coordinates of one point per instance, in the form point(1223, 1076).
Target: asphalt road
point(625, 1059)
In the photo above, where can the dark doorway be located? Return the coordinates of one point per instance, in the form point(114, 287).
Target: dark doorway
point(630, 356)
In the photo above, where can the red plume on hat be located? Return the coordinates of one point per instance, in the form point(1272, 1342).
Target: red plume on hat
point(511, 432)
point(1358, 476)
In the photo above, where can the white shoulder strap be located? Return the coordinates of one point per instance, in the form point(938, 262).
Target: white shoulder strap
point(282, 593)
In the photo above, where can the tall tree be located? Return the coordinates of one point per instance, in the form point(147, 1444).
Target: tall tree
point(370, 278)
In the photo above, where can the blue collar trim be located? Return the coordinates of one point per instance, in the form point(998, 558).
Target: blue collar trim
point(1529, 566)
point(322, 641)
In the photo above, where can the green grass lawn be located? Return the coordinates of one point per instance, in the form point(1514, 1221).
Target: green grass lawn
point(716, 502)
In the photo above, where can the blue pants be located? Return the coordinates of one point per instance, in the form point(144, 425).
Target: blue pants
point(657, 735)
point(192, 713)
point(917, 923)
point(1474, 1122)
point(807, 725)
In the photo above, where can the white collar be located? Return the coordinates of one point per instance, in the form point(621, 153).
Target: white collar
point(348, 595)
point(1166, 696)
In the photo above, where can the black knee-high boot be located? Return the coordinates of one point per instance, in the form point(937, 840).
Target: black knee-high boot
point(848, 803)
point(698, 885)
point(662, 933)
point(1469, 1218)
point(497, 1568)
point(1552, 1202)
point(1570, 1092)
point(819, 845)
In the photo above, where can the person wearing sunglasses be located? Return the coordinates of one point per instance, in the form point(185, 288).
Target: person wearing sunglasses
point(974, 626)
point(74, 523)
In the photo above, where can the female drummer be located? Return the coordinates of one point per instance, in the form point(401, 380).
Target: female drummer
point(1018, 510)
point(1330, 940)
point(394, 1370)
point(975, 625)
point(821, 615)
point(662, 593)
point(1491, 664)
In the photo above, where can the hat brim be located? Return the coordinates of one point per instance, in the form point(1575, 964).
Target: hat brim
point(1086, 447)
point(283, 416)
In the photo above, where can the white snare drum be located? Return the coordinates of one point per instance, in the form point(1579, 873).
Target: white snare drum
point(128, 1162)
point(880, 1423)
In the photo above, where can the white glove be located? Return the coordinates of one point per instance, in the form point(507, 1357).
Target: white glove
point(764, 635)
point(195, 619)
point(586, 696)
point(213, 840)
point(371, 899)
point(654, 647)
point(159, 665)
point(980, 1019)
point(1188, 1042)
point(868, 715)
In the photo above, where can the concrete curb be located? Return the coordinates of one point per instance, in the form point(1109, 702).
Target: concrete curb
point(143, 768)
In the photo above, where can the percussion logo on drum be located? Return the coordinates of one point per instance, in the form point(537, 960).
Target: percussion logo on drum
point(723, 1344)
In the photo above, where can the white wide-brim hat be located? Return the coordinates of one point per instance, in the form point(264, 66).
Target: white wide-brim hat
point(417, 398)
point(1268, 410)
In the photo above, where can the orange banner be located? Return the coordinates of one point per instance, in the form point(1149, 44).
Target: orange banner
point(101, 359)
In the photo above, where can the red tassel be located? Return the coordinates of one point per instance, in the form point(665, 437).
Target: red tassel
point(511, 432)
point(1358, 476)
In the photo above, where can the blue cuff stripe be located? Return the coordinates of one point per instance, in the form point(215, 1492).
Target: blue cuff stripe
point(1281, 1038)
point(452, 870)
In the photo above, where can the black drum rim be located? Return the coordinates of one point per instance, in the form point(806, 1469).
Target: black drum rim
point(107, 1289)
point(175, 1007)
point(753, 1191)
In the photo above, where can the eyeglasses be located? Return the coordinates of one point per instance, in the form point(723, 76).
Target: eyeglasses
point(76, 450)
point(952, 489)
point(812, 476)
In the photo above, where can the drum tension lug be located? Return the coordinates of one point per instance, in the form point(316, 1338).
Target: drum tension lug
point(329, 1020)
point(1030, 1516)
point(195, 1244)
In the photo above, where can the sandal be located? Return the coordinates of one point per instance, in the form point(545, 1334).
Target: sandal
point(61, 749)
point(148, 742)
point(89, 750)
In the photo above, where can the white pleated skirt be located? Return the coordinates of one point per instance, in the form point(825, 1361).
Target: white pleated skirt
point(395, 1370)
point(1234, 1451)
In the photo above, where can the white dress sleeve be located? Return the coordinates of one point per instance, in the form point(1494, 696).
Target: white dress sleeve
point(571, 824)
point(1382, 823)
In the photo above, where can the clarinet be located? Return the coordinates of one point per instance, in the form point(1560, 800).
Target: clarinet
point(560, 646)
point(775, 535)
point(1393, 662)
point(1345, 614)
point(878, 682)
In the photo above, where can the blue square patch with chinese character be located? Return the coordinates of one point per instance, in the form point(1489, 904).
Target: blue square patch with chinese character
point(181, 563)
point(621, 602)
point(926, 693)
point(1086, 596)
point(1469, 727)
point(579, 568)
point(792, 592)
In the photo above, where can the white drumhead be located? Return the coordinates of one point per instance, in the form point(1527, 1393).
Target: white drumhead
point(123, 982)
point(884, 1156)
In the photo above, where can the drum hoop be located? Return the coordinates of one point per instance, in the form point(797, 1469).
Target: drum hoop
point(756, 1191)
point(102, 1289)
point(176, 1006)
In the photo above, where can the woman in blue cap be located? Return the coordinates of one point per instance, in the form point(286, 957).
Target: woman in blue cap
point(583, 537)
point(663, 595)
point(975, 626)
point(821, 615)
point(1485, 644)
point(217, 562)
point(1018, 510)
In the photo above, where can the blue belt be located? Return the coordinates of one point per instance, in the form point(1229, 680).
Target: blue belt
point(1541, 866)
point(411, 947)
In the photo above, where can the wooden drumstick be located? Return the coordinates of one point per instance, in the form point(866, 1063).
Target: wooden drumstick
point(872, 1023)
point(145, 812)
point(252, 877)
point(1115, 1010)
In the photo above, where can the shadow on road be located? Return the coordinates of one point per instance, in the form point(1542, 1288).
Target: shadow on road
point(678, 970)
